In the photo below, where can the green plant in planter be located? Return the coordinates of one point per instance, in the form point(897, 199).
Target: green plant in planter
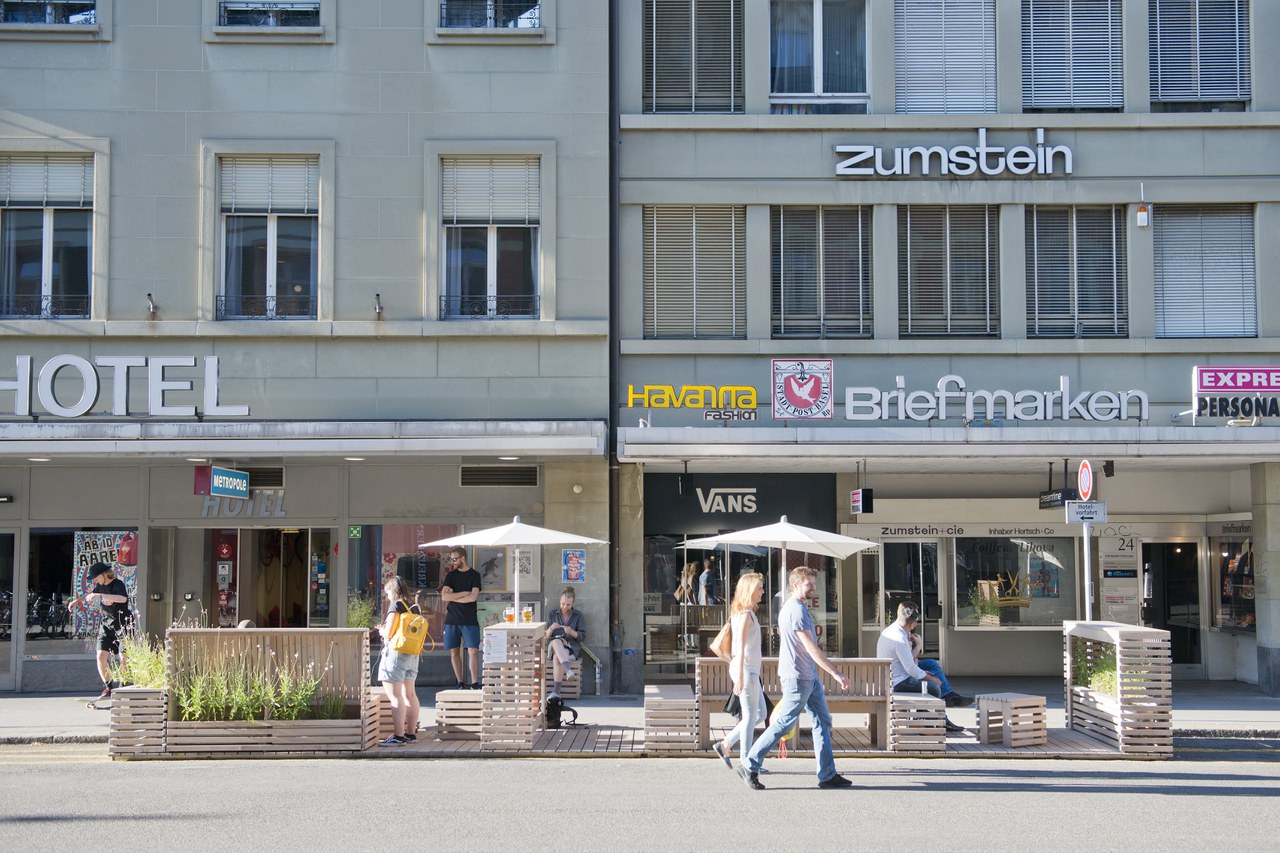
point(983, 606)
point(142, 660)
point(1097, 673)
point(361, 611)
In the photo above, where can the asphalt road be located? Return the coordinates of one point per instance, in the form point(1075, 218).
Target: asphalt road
point(1217, 794)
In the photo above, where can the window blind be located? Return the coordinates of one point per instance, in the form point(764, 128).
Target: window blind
point(695, 271)
point(948, 270)
point(1205, 271)
point(1077, 274)
point(945, 56)
point(693, 56)
point(1199, 50)
point(52, 180)
point(491, 190)
point(821, 272)
point(1072, 56)
point(254, 184)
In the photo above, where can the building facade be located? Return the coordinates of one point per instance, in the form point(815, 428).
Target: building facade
point(945, 251)
point(358, 251)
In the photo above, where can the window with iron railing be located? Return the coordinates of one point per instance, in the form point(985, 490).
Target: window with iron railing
point(238, 13)
point(491, 14)
point(43, 12)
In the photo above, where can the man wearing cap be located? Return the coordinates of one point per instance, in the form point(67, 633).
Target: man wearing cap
point(109, 591)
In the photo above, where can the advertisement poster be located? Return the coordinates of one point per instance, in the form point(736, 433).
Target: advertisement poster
point(573, 565)
point(1119, 561)
point(119, 550)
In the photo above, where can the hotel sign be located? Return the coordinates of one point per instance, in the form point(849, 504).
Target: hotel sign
point(961, 160)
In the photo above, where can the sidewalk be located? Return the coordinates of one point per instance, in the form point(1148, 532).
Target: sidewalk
point(1200, 708)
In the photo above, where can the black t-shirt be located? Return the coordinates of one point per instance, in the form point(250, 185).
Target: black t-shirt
point(113, 615)
point(459, 613)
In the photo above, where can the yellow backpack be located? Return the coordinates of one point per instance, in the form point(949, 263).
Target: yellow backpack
point(409, 634)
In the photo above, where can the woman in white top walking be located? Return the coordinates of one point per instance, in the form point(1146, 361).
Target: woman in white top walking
point(744, 665)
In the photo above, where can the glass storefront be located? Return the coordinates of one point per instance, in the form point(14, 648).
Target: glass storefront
point(7, 588)
point(59, 560)
point(1017, 580)
point(1232, 583)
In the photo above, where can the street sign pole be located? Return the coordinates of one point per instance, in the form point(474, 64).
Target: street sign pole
point(1088, 578)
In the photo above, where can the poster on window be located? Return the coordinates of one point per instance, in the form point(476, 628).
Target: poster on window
point(527, 562)
point(573, 565)
point(116, 548)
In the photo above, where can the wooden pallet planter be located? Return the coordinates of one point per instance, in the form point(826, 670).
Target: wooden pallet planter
point(264, 737)
point(670, 718)
point(138, 717)
point(917, 723)
point(511, 703)
point(459, 714)
point(1012, 719)
point(1138, 717)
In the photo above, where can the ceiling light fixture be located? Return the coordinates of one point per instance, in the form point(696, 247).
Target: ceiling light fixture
point(354, 458)
point(508, 458)
point(38, 459)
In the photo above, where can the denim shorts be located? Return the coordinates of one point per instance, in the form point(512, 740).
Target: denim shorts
point(462, 635)
point(395, 666)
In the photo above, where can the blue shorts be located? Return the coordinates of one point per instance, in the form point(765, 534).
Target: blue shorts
point(462, 635)
point(396, 666)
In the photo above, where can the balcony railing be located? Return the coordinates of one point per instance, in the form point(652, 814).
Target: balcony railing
point(266, 308)
point(283, 14)
point(491, 14)
point(44, 307)
point(44, 12)
point(489, 307)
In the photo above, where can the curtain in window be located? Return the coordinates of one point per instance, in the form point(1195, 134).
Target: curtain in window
point(1072, 54)
point(945, 56)
point(695, 271)
point(1205, 271)
point(792, 51)
point(1077, 277)
point(844, 55)
point(1199, 50)
point(948, 270)
point(821, 272)
point(693, 56)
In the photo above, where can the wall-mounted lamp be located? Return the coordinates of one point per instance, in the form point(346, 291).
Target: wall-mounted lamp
point(1239, 422)
point(577, 488)
point(377, 306)
point(151, 307)
point(1109, 468)
point(187, 596)
point(1144, 215)
point(157, 596)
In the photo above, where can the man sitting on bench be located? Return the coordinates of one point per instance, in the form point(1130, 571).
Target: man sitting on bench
point(905, 673)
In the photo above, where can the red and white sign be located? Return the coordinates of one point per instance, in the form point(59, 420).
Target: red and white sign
point(802, 389)
point(1237, 380)
point(1084, 480)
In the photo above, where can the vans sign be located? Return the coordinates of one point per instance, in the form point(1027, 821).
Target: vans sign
point(727, 500)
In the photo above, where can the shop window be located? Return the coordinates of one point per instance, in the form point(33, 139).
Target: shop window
point(1072, 56)
point(382, 551)
point(695, 282)
point(1077, 279)
point(1205, 272)
point(7, 589)
point(491, 210)
point(948, 271)
point(821, 272)
point(46, 236)
point(270, 237)
point(1015, 581)
point(945, 56)
point(818, 57)
point(693, 56)
point(58, 564)
point(1234, 584)
point(1200, 55)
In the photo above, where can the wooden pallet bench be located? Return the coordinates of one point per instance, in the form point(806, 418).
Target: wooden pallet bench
point(868, 692)
point(459, 714)
point(1014, 719)
point(670, 718)
point(917, 723)
point(138, 717)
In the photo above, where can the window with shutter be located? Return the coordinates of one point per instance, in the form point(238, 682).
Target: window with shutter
point(821, 271)
point(945, 56)
point(269, 211)
point(1072, 56)
point(491, 209)
point(693, 56)
point(46, 235)
point(948, 271)
point(1205, 271)
point(695, 271)
point(818, 57)
point(1077, 277)
point(1199, 55)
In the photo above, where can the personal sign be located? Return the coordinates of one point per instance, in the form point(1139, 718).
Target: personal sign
point(1086, 512)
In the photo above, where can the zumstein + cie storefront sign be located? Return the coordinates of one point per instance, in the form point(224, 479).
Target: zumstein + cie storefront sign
point(960, 160)
point(1235, 392)
point(166, 378)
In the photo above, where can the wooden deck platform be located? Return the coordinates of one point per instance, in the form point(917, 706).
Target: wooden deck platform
point(614, 741)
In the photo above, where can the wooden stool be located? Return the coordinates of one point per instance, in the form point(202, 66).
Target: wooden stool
point(917, 723)
point(458, 714)
point(670, 718)
point(1016, 719)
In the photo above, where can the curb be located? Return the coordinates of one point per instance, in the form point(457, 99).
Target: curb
point(21, 739)
point(1258, 734)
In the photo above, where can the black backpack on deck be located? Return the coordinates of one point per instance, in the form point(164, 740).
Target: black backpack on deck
point(555, 710)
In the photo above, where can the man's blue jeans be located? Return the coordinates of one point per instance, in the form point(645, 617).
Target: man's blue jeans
point(798, 696)
point(934, 668)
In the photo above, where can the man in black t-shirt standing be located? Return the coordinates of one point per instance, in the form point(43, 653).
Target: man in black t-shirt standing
point(110, 592)
point(460, 589)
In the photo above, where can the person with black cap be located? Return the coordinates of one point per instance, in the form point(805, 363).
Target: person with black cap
point(110, 593)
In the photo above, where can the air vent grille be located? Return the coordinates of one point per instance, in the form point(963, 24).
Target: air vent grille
point(265, 478)
point(499, 475)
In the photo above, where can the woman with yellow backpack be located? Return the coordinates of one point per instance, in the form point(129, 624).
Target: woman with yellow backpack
point(403, 634)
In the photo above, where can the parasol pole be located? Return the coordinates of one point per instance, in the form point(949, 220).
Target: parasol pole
point(515, 569)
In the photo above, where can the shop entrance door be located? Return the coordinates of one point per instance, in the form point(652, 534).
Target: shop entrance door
point(8, 613)
point(911, 574)
point(283, 577)
point(1172, 572)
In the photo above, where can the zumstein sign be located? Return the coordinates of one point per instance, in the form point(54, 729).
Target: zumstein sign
point(164, 377)
point(951, 399)
point(960, 160)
